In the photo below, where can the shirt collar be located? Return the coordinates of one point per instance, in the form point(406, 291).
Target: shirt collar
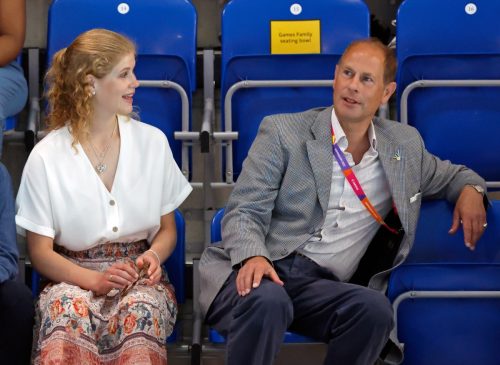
point(341, 138)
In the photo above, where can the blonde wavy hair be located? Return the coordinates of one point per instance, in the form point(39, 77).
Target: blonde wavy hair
point(69, 91)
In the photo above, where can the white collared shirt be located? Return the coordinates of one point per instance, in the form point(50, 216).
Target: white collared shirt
point(349, 228)
point(62, 197)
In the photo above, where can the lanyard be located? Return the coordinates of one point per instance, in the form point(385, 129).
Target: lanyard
point(356, 186)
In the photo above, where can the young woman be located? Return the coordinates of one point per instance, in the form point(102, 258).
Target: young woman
point(96, 202)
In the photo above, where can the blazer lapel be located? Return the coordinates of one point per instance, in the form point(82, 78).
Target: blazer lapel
point(393, 159)
point(320, 156)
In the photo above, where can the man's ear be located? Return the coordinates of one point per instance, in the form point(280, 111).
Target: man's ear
point(389, 89)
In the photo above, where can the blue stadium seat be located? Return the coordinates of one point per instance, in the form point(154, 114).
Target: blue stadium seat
point(447, 298)
point(174, 266)
point(165, 35)
point(10, 123)
point(449, 79)
point(249, 56)
point(213, 335)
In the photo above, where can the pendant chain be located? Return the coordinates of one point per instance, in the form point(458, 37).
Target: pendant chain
point(101, 167)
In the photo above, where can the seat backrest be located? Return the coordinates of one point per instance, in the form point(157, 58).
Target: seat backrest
point(449, 40)
point(215, 227)
point(433, 243)
point(165, 35)
point(275, 40)
point(175, 264)
point(446, 296)
point(10, 123)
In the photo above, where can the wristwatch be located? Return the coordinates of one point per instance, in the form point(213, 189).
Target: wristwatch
point(478, 188)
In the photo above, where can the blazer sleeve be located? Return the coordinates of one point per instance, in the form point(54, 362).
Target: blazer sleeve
point(249, 209)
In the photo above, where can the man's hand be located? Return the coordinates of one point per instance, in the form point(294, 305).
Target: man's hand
point(469, 211)
point(251, 273)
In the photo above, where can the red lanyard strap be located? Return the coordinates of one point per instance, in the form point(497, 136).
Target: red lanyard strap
point(356, 186)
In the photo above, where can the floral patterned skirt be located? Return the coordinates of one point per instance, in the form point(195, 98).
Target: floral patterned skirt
point(73, 326)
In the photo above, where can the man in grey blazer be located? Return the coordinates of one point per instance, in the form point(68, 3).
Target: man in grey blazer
point(297, 241)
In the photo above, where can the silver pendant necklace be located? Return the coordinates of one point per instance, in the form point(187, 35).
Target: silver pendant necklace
point(101, 167)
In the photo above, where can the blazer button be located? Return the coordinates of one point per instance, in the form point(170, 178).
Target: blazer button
point(115, 229)
point(284, 252)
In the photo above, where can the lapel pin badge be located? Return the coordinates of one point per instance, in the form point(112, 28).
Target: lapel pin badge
point(397, 156)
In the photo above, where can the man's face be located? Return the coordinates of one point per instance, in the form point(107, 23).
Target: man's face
point(359, 87)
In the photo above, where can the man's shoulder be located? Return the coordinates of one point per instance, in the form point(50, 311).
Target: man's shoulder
point(394, 130)
point(296, 123)
point(309, 115)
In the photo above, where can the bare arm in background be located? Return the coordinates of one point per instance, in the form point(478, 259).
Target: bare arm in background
point(12, 29)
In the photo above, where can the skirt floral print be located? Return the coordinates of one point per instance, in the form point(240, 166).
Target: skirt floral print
point(73, 326)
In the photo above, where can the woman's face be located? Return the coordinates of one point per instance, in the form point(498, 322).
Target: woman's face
point(114, 92)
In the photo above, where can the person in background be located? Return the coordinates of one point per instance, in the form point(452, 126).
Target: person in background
point(16, 303)
point(326, 205)
point(96, 203)
point(13, 88)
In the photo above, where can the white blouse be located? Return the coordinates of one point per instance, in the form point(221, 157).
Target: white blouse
point(62, 197)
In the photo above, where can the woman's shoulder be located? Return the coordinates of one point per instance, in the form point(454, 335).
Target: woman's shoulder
point(144, 133)
point(54, 142)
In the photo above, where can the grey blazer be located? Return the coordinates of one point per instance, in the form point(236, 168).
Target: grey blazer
point(281, 196)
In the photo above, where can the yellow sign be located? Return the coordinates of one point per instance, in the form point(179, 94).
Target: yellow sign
point(295, 36)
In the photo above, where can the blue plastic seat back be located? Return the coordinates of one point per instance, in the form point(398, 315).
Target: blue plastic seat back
point(433, 244)
point(439, 331)
point(439, 40)
point(10, 123)
point(246, 55)
point(213, 335)
point(215, 227)
point(165, 35)
point(175, 264)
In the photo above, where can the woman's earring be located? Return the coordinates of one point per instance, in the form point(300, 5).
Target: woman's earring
point(93, 92)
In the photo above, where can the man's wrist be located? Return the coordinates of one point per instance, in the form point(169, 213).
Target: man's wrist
point(478, 188)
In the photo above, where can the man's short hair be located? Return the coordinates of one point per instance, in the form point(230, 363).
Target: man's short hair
point(390, 62)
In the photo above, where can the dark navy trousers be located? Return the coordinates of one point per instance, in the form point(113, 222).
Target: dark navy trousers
point(16, 323)
point(353, 320)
